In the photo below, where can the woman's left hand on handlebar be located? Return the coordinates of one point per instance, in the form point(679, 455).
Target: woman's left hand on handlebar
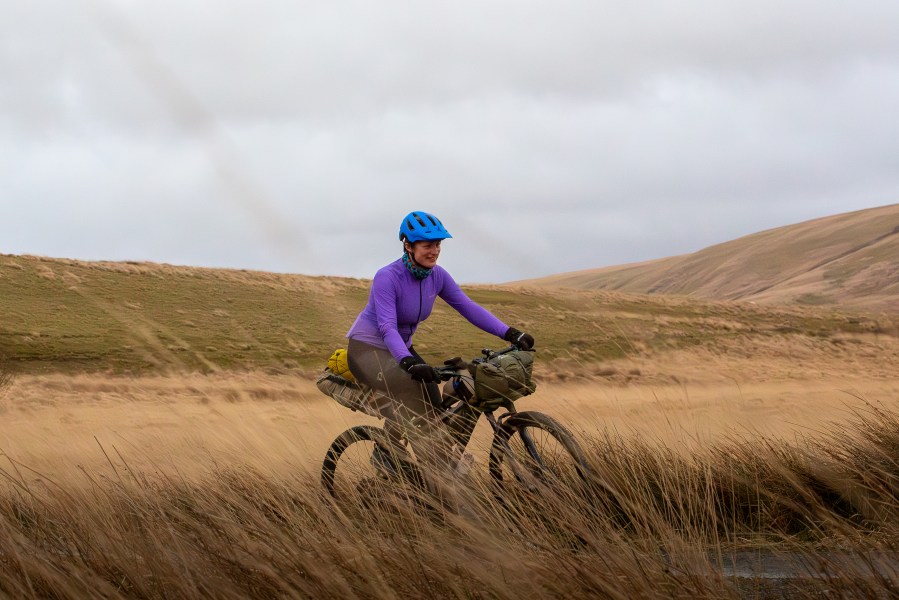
point(523, 340)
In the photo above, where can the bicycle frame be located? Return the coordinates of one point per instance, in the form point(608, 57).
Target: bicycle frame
point(494, 421)
point(459, 417)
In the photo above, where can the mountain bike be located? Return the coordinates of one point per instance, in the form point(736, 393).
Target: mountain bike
point(530, 450)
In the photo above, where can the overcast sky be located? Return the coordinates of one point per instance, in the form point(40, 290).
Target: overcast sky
point(293, 136)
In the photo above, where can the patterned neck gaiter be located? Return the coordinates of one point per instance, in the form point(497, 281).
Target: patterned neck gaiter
point(419, 272)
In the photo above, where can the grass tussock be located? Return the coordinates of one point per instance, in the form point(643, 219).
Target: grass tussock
point(651, 523)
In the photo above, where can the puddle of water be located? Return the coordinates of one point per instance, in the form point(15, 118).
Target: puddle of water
point(825, 565)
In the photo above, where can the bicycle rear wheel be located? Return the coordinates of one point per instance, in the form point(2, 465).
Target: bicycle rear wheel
point(352, 477)
point(532, 451)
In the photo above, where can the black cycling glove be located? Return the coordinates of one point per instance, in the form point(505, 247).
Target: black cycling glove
point(419, 370)
point(525, 341)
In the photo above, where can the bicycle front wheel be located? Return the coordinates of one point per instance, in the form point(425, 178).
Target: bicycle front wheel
point(533, 451)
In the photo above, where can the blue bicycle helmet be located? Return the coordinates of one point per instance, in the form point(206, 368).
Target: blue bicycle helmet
point(421, 226)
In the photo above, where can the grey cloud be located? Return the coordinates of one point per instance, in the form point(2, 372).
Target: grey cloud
point(373, 56)
point(293, 136)
point(274, 59)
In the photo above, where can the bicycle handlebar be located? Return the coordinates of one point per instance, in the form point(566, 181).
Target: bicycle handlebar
point(457, 366)
point(447, 373)
point(491, 353)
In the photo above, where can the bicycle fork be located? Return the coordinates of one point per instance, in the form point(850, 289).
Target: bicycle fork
point(517, 468)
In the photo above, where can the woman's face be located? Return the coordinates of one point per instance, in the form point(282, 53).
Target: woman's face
point(425, 253)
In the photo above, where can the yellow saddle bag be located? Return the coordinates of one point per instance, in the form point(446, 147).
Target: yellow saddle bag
point(337, 382)
point(339, 365)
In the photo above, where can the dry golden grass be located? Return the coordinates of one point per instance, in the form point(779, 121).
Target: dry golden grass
point(57, 423)
point(207, 486)
point(713, 427)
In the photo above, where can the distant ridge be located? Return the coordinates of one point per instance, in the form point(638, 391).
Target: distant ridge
point(850, 259)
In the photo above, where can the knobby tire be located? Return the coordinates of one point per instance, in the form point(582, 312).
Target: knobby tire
point(408, 471)
point(530, 464)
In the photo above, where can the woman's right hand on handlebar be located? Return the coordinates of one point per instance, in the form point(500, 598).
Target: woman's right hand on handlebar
point(451, 368)
point(419, 370)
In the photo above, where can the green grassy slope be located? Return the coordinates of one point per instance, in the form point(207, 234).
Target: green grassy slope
point(71, 316)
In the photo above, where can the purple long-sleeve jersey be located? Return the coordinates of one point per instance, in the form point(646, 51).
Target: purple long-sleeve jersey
point(398, 302)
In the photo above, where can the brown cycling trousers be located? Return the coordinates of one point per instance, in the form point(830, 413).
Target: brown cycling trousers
point(376, 368)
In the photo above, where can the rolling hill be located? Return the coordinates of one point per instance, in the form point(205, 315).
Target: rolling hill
point(850, 259)
point(69, 316)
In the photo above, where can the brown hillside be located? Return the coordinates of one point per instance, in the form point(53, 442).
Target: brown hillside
point(848, 259)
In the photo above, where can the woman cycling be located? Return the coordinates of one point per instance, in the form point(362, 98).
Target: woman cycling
point(380, 351)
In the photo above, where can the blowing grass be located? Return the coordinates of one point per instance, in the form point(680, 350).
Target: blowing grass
point(651, 523)
point(193, 373)
point(6, 378)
